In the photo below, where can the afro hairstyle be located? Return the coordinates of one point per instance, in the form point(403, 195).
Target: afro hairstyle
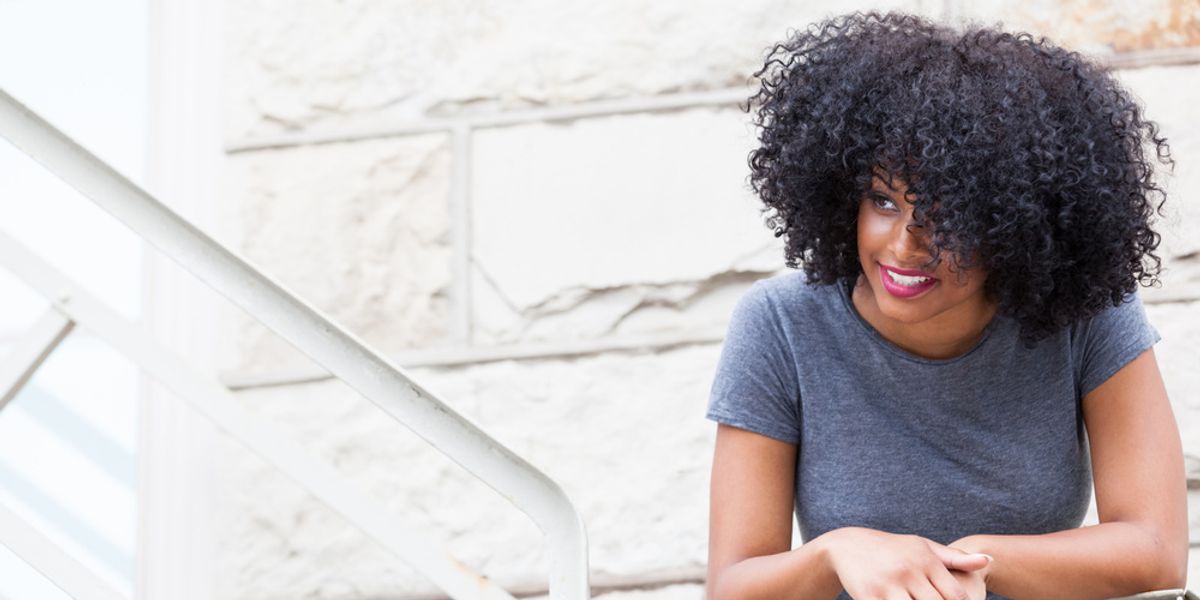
point(1028, 160)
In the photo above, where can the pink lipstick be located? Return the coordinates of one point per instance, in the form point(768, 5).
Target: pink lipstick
point(905, 291)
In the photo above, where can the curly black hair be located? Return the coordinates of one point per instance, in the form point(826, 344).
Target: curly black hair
point(1028, 160)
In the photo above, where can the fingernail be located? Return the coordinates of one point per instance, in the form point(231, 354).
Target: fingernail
point(989, 558)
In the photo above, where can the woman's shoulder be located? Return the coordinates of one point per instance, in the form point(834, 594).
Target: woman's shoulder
point(790, 298)
point(1107, 341)
point(793, 286)
point(1112, 322)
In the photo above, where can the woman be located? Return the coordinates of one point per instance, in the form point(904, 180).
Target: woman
point(965, 349)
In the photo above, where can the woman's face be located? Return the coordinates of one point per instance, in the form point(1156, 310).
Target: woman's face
point(893, 249)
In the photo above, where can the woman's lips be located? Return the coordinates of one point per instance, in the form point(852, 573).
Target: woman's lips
point(904, 291)
point(909, 272)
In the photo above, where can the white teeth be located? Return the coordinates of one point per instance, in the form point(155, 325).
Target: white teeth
point(905, 279)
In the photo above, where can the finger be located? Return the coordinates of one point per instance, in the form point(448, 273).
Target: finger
point(954, 558)
point(924, 590)
point(968, 562)
point(947, 585)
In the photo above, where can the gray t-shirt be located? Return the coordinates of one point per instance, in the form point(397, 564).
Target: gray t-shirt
point(990, 441)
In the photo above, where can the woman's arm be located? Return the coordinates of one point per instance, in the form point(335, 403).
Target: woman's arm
point(750, 525)
point(1141, 542)
point(750, 536)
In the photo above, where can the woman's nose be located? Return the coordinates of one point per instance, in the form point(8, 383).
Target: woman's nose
point(911, 239)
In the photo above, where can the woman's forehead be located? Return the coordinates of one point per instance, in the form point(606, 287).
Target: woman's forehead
point(884, 180)
point(888, 177)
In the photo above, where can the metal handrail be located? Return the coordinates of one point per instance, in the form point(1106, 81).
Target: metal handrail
point(215, 402)
point(309, 330)
point(1171, 594)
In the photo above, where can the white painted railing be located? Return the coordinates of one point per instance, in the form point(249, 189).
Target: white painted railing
point(339, 351)
point(1161, 595)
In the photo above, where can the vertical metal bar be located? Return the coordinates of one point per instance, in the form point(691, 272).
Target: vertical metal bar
point(48, 559)
point(312, 332)
point(30, 352)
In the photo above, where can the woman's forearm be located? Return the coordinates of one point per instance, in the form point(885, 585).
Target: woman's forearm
point(1108, 560)
point(802, 573)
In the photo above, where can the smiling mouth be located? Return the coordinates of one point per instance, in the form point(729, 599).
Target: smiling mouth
point(905, 286)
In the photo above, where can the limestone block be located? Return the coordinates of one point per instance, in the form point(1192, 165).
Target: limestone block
point(1096, 26)
point(358, 230)
point(624, 434)
point(320, 65)
point(573, 239)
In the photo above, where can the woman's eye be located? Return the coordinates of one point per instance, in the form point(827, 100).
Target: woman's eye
point(882, 201)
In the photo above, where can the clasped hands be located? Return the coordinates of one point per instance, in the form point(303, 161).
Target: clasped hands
point(876, 565)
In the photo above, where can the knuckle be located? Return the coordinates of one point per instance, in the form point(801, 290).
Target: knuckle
point(898, 570)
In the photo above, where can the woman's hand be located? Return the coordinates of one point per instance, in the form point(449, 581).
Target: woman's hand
point(978, 578)
point(876, 565)
point(974, 582)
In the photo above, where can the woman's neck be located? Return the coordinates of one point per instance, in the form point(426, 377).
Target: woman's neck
point(946, 335)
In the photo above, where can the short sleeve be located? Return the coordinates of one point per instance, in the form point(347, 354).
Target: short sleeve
point(1111, 340)
point(755, 385)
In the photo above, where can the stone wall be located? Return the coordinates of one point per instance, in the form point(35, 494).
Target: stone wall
point(478, 190)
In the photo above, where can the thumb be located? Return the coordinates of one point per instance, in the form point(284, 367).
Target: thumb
point(954, 558)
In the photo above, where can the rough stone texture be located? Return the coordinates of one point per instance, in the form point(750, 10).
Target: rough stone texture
point(360, 231)
point(562, 248)
point(318, 65)
point(1096, 26)
point(624, 434)
point(693, 307)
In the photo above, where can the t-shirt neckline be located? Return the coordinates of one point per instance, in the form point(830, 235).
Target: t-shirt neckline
point(846, 287)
